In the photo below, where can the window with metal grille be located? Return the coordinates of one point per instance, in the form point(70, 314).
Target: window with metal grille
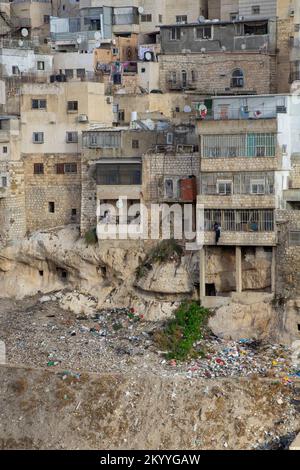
point(38, 104)
point(71, 137)
point(135, 144)
point(70, 167)
point(239, 145)
point(241, 182)
point(103, 139)
point(3, 181)
point(261, 220)
point(294, 238)
point(38, 168)
point(80, 73)
point(122, 174)
point(38, 137)
point(255, 9)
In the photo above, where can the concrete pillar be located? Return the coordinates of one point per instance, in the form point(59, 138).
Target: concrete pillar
point(202, 272)
point(238, 268)
point(273, 270)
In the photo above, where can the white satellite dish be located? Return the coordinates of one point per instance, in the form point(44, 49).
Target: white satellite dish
point(97, 35)
point(98, 44)
point(243, 46)
point(187, 109)
point(119, 204)
point(114, 42)
point(20, 42)
point(79, 40)
point(203, 50)
point(141, 10)
point(224, 48)
point(24, 32)
point(201, 19)
point(148, 56)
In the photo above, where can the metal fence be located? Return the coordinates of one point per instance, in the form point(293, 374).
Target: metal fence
point(261, 220)
point(239, 145)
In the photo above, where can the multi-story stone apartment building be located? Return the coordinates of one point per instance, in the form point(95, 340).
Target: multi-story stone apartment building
point(247, 148)
point(53, 116)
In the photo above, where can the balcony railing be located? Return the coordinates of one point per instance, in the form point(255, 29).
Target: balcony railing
point(179, 85)
point(247, 220)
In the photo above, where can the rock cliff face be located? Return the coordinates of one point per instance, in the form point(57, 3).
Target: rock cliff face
point(104, 275)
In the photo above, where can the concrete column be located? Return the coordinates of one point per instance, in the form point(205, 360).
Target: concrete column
point(202, 272)
point(273, 270)
point(238, 268)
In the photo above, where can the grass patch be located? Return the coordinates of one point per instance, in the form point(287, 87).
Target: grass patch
point(166, 250)
point(180, 333)
point(91, 237)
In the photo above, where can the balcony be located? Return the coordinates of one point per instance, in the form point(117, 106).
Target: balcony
point(179, 85)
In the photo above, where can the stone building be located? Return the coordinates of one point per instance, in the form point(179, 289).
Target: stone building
point(219, 57)
point(246, 159)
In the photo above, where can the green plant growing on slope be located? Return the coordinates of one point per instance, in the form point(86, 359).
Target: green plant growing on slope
point(181, 332)
point(165, 250)
point(91, 237)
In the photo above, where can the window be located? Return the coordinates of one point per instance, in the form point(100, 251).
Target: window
point(38, 137)
point(72, 106)
point(4, 149)
point(255, 10)
point(38, 168)
point(203, 32)
point(69, 73)
point(184, 78)
point(115, 51)
point(143, 70)
point(135, 144)
point(160, 18)
point(258, 186)
point(169, 192)
point(146, 18)
point(169, 138)
point(40, 65)
point(194, 75)
point(70, 167)
point(181, 19)
point(224, 187)
point(237, 79)
point(80, 73)
point(173, 77)
point(51, 207)
point(294, 238)
point(73, 212)
point(175, 34)
point(122, 174)
point(72, 137)
point(15, 70)
point(3, 181)
point(234, 16)
point(38, 104)
point(46, 19)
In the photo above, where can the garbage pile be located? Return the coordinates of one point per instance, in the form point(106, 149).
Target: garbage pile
point(245, 357)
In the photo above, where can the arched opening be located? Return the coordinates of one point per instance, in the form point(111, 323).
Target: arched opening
point(237, 79)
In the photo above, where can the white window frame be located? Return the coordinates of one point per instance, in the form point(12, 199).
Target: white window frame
point(40, 65)
point(38, 134)
point(258, 182)
point(73, 134)
point(225, 183)
point(204, 38)
point(175, 30)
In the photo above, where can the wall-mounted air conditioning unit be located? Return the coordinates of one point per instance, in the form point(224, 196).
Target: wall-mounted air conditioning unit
point(83, 118)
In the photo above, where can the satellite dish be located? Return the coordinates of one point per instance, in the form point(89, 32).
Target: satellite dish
point(119, 204)
point(79, 40)
point(141, 10)
point(201, 19)
point(98, 44)
point(187, 109)
point(113, 42)
point(148, 56)
point(224, 48)
point(203, 50)
point(97, 35)
point(20, 42)
point(24, 32)
point(243, 46)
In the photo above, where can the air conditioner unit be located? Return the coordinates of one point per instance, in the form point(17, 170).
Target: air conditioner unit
point(82, 118)
point(108, 100)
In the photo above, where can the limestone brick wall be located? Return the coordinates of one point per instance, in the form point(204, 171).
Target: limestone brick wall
point(285, 29)
point(12, 204)
point(158, 166)
point(242, 238)
point(239, 164)
point(287, 255)
point(214, 70)
point(41, 189)
point(295, 174)
point(89, 196)
point(237, 201)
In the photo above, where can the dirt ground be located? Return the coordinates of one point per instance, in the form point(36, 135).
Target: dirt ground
point(99, 383)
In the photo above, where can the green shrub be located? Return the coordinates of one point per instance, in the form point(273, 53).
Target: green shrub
point(91, 237)
point(181, 332)
point(164, 251)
